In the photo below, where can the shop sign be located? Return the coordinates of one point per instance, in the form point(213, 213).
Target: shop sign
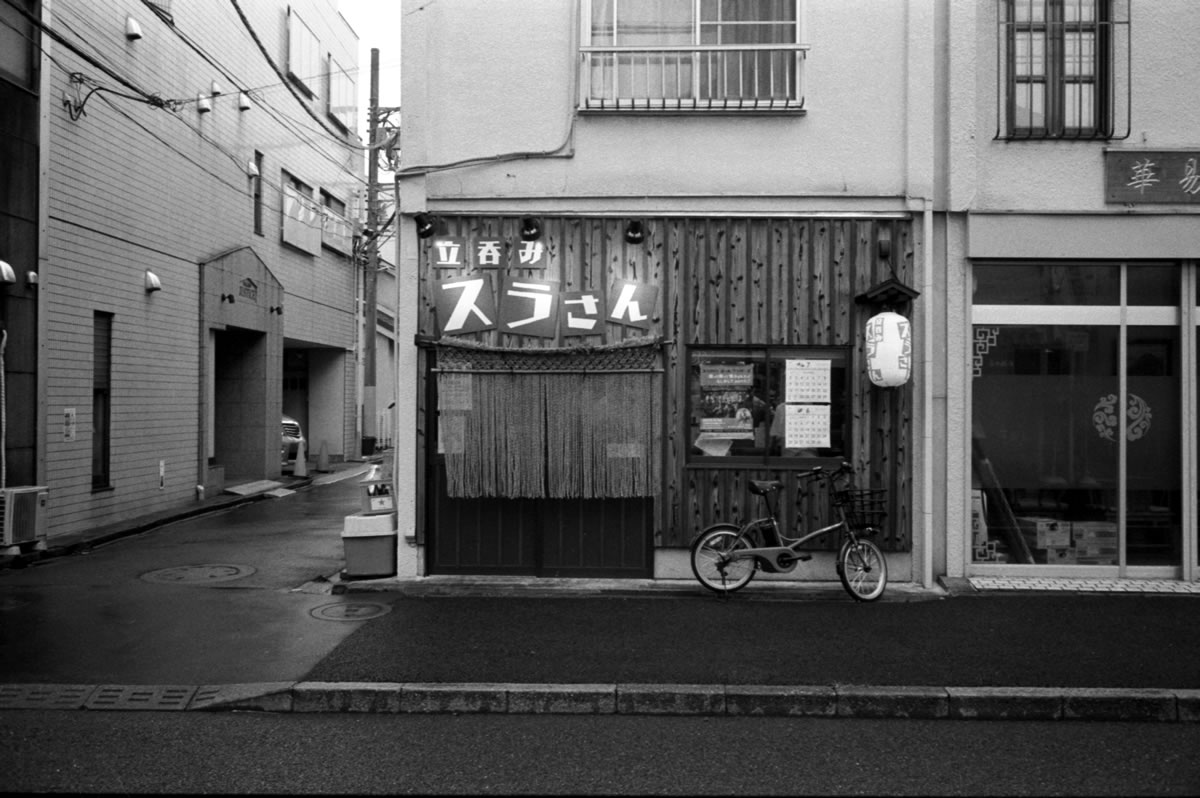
point(481, 252)
point(528, 306)
point(1141, 176)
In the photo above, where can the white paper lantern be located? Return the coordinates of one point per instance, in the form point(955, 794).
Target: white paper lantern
point(889, 349)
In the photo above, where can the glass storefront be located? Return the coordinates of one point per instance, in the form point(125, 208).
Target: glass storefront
point(1077, 417)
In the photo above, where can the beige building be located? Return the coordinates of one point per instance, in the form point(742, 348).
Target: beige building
point(720, 187)
point(200, 177)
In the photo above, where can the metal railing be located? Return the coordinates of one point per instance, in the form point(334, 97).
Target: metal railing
point(750, 77)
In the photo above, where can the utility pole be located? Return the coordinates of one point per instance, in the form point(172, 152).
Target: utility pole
point(371, 239)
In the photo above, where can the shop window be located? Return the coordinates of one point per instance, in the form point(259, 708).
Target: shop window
point(681, 55)
point(1077, 415)
point(1059, 60)
point(304, 57)
point(785, 406)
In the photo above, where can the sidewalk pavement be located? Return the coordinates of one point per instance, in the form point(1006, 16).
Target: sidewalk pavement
point(517, 645)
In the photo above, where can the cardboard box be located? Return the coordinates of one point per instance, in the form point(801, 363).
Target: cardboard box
point(1046, 533)
point(1096, 553)
point(1060, 556)
point(1098, 532)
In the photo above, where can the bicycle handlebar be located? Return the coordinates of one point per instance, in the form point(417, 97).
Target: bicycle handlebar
point(819, 472)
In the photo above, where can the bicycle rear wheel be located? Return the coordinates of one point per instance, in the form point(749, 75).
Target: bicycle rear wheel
point(712, 566)
point(862, 569)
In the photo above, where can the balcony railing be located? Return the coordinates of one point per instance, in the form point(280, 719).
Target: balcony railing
point(748, 77)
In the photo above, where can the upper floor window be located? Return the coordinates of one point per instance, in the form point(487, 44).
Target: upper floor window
point(341, 96)
point(304, 57)
point(19, 43)
point(302, 216)
point(677, 55)
point(1060, 60)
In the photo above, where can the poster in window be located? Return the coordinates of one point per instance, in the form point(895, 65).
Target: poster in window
point(727, 408)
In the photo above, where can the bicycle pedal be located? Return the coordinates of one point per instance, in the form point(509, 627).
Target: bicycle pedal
point(803, 557)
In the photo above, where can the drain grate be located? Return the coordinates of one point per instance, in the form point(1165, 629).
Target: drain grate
point(207, 574)
point(44, 696)
point(156, 697)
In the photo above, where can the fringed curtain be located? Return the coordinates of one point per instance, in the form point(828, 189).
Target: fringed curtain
point(579, 423)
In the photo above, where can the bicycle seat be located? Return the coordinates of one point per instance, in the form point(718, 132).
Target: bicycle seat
point(761, 487)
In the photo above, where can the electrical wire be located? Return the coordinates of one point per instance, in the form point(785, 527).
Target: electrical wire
point(228, 76)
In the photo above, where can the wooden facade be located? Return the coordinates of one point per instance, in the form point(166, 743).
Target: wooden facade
point(721, 281)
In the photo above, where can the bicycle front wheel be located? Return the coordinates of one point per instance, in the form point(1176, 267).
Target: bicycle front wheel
point(862, 569)
point(712, 563)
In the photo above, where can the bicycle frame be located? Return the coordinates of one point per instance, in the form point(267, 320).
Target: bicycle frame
point(782, 557)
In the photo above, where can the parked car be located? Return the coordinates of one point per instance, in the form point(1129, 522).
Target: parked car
point(291, 437)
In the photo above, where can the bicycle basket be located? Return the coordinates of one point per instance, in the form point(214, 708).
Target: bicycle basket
point(862, 507)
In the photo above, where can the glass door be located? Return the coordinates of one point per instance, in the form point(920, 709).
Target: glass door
point(1077, 397)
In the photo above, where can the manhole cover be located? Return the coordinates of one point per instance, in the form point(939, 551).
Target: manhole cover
point(197, 574)
point(350, 611)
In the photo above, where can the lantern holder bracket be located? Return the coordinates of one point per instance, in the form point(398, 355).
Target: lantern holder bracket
point(890, 294)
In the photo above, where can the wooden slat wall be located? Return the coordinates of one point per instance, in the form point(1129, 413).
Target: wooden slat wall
point(733, 281)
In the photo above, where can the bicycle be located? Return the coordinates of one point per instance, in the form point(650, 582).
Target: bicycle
point(726, 556)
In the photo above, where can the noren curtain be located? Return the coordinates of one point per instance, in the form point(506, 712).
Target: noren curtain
point(550, 423)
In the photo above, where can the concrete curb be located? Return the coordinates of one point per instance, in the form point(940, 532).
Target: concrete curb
point(827, 701)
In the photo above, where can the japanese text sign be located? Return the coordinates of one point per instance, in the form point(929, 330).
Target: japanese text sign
point(528, 306)
point(1144, 176)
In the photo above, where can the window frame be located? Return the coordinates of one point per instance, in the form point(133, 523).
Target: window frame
point(341, 99)
point(102, 355)
point(841, 401)
point(704, 73)
point(304, 54)
point(1055, 76)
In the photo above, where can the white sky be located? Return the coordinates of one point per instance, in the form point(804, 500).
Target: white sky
point(377, 23)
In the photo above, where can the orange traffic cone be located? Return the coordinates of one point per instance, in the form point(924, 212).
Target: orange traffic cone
point(300, 469)
point(323, 460)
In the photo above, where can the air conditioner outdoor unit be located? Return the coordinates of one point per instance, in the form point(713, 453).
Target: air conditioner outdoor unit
point(23, 512)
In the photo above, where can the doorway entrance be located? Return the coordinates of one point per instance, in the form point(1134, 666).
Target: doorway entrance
point(542, 462)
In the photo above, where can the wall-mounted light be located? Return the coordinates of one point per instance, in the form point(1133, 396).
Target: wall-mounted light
point(215, 89)
point(133, 31)
point(203, 104)
point(243, 101)
point(531, 229)
point(227, 298)
point(7, 275)
point(31, 278)
point(252, 168)
point(426, 225)
point(152, 282)
point(276, 309)
point(634, 234)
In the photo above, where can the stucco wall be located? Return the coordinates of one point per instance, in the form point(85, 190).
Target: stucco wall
point(479, 84)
